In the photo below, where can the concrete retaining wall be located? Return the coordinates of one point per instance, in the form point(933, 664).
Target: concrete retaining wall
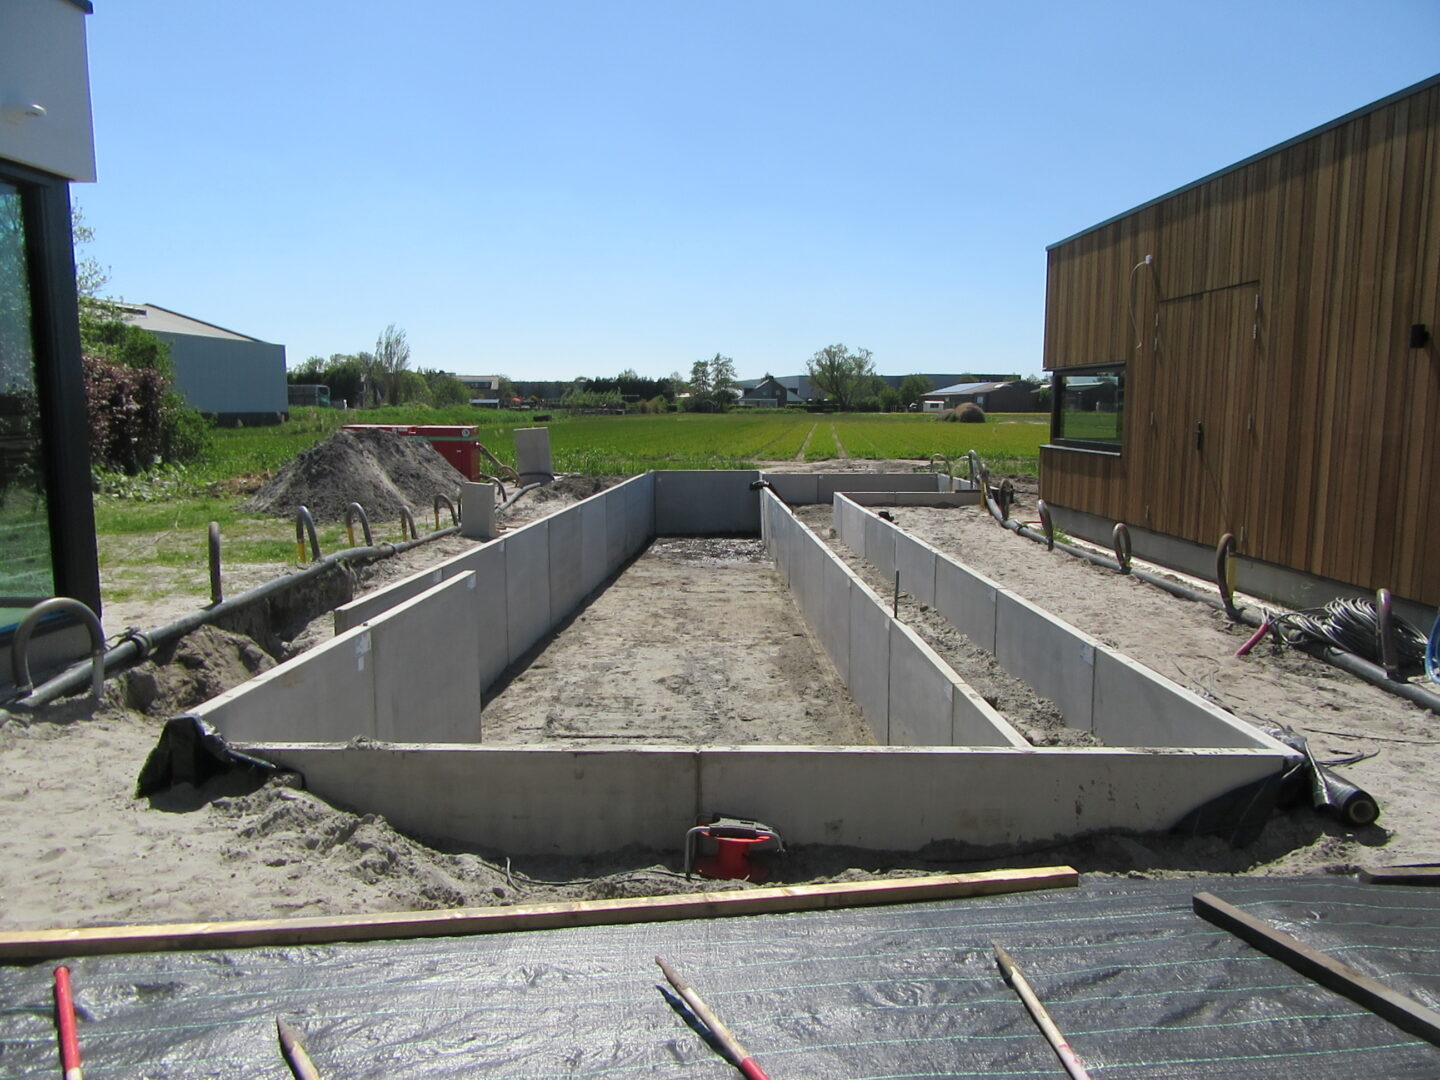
point(909, 697)
point(1096, 688)
point(543, 800)
point(706, 503)
point(407, 676)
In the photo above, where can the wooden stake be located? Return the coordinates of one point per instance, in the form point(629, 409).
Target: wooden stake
point(738, 1055)
point(293, 1050)
point(1402, 1011)
point(312, 930)
point(1013, 976)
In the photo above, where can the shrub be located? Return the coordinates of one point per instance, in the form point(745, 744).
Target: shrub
point(136, 421)
point(968, 413)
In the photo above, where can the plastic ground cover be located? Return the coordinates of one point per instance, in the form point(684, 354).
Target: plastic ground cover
point(1140, 985)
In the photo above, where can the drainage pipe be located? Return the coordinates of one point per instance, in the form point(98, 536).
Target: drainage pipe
point(136, 646)
point(1355, 665)
point(516, 497)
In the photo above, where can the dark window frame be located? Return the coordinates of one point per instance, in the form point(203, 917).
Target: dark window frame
point(1057, 401)
point(59, 382)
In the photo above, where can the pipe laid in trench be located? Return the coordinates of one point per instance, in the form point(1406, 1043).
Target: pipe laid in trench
point(135, 647)
point(1355, 665)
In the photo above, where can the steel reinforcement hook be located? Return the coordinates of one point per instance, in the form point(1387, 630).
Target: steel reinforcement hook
point(1120, 537)
point(217, 593)
point(304, 524)
point(353, 511)
point(407, 520)
point(442, 500)
point(1223, 551)
point(20, 648)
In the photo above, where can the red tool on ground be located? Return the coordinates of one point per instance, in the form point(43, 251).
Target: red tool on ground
point(65, 1021)
point(738, 1055)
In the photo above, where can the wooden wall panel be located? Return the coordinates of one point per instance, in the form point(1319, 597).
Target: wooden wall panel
point(1323, 447)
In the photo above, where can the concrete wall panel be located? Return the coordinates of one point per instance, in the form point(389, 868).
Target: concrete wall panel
point(567, 569)
point(527, 586)
point(555, 801)
point(364, 608)
point(967, 601)
point(922, 692)
point(1057, 660)
point(879, 549)
point(1135, 706)
point(326, 694)
point(914, 498)
point(974, 722)
point(427, 686)
point(835, 618)
point(618, 527)
point(640, 512)
point(830, 483)
point(916, 563)
point(594, 534)
point(706, 503)
point(491, 613)
point(797, 489)
point(868, 672)
point(849, 524)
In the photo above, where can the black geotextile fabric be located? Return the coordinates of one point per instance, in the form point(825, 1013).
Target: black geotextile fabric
point(1141, 986)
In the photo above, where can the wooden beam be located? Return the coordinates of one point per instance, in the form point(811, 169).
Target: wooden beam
point(1402, 875)
point(313, 930)
point(1404, 1012)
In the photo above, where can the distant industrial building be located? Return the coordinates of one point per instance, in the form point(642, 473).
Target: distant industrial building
point(231, 377)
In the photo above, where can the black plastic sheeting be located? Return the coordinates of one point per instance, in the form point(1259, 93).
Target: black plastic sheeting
point(1140, 985)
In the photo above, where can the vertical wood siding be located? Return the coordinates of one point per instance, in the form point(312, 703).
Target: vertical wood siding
point(1276, 316)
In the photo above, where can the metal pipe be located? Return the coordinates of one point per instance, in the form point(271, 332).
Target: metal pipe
point(516, 497)
point(500, 466)
point(407, 520)
point(20, 646)
point(353, 511)
point(1047, 523)
point(1120, 538)
point(135, 648)
point(304, 523)
point(217, 593)
point(443, 500)
point(1223, 551)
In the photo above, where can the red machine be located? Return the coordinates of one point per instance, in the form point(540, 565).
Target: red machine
point(456, 443)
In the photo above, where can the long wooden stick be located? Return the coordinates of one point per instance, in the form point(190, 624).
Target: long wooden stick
point(1404, 1012)
point(1015, 978)
point(293, 1049)
point(449, 922)
point(738, 1055)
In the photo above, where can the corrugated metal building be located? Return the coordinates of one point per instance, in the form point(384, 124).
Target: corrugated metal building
point(229, 376)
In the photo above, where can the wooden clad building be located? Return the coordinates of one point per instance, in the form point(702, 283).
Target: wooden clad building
point(1256, 354)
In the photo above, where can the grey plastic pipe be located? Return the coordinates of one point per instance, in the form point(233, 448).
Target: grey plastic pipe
point(136, 646)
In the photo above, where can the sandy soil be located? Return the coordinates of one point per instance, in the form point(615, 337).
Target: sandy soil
point(76, 848)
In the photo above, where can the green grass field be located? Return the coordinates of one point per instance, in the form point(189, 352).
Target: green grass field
point(161, 520)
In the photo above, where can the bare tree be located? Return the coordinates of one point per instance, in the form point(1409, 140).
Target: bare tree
point(392, 356)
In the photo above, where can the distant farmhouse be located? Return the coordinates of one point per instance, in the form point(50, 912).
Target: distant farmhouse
point(993, 395)
point(231, 377)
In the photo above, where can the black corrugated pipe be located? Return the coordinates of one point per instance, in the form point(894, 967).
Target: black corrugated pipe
point(136, 646)
point(1355, 665)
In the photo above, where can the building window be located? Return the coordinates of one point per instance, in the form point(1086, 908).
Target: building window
point(26, 571)
point(1088, 408)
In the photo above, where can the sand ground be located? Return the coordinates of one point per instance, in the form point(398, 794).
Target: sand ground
point(76, 848)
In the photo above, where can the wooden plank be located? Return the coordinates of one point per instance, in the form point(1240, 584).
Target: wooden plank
point(1402, 1011)
point(1401, 875)
point(315, 930)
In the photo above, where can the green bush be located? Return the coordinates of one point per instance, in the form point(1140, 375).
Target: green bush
point(968, 413)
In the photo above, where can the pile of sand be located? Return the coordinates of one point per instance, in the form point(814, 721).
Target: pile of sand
point(380, 470)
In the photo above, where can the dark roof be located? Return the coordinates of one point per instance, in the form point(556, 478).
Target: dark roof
point(1425, 84)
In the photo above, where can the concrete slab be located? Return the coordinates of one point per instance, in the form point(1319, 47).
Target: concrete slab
point(491, 614)
point(967, 600)
point(477, 511)
point(639, 493)
point(706, 503)
point(527, 586)
point(594, 542)
point(618, 528)
point(1057, 660)
point(849, 524)
point(879, 549)
point(869, 668)
point(916, 562)
point(426, 686)
point(975, 722)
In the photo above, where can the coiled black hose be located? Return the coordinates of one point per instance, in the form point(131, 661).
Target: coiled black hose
point(1353, 625)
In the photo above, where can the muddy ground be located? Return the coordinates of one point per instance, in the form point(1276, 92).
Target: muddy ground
point(76, 848)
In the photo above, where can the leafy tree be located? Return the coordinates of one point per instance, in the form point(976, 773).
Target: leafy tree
point(841, 375)
point(445, 388)
point(913, 388)
point(700, 384)
point(392, 356)
point(722, 380)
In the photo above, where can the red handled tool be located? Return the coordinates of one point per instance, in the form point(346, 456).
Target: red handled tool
point(738, 1055)
point(65, 1021)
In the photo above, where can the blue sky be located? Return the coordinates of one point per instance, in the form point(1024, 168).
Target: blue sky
point(547, 190)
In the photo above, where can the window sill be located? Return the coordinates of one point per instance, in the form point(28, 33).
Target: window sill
point(1073, 448)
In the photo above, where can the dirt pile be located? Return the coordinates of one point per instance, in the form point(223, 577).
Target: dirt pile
point(380, 470)
point(196, 668)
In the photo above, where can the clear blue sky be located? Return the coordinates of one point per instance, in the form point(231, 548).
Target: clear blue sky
point(548, 190)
